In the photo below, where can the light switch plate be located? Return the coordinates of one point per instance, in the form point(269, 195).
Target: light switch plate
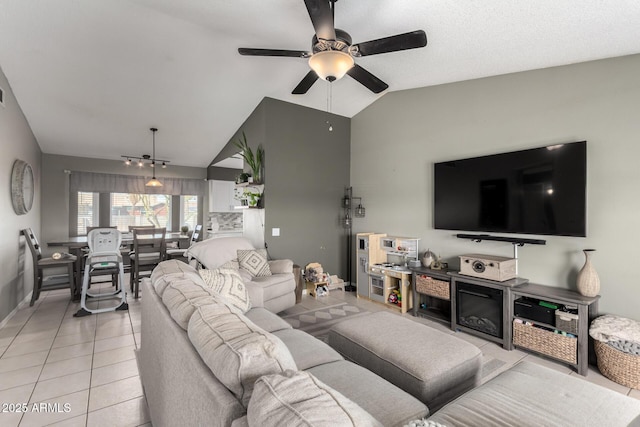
point(275, 232)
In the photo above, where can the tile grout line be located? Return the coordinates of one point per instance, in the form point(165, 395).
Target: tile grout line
point(48, 352)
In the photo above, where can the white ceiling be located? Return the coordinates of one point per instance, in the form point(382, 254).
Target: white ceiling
point(93, 76)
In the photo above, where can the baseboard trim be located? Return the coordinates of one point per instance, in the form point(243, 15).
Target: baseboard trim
point(15, 310)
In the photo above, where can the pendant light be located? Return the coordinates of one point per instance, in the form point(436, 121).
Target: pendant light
point(153, 182)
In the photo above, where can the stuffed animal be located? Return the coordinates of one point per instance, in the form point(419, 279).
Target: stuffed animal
point(313, 272)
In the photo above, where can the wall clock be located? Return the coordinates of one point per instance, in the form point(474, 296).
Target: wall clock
point(22, 187)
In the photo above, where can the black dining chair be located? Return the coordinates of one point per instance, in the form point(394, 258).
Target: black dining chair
point(180, 253)
point(149, 249)
point(40, 264)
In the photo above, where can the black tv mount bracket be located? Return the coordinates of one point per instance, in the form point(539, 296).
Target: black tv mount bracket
point(515, 241)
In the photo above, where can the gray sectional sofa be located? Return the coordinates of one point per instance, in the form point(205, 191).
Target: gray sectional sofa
point(309, 383)
point(182, 390)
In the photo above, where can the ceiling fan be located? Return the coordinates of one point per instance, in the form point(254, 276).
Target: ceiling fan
point(332, 55)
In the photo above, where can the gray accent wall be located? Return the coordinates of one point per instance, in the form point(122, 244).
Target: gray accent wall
point(16, 142)
point(306, 172)
point(396, 141)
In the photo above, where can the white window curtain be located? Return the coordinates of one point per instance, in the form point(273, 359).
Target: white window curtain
point(112, 183)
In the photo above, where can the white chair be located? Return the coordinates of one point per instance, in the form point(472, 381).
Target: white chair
point(104, 253)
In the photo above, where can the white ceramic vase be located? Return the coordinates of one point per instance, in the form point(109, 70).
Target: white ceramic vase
point(428, 258)
point(588, 282)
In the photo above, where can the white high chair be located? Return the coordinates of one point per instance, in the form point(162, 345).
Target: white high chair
point(104, 253)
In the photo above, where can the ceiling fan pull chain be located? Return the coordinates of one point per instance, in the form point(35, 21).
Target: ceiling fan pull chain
point(329, 104)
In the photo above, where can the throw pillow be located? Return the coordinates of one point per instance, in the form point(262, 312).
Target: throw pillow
point(233, 265)
point(170, 271)
point(228, 284)
point(299, 398)
point(254, 261)
point(236, 350)
point(182, 297)
point(212, 253)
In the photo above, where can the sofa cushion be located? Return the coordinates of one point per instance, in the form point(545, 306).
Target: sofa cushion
point(268, 287)
point(532, 395)
point(307, 351)
point(298, 398)
point(267, 320)
point(212, 253)
point(383, 400)
point(278, 266)
point(171, 270)
point(236, 350)
point(181, 297)
point(229, 285)
point(254, 261)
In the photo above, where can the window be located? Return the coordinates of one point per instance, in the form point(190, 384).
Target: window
point(189, 211)
point(140, 209)
point(88, 211)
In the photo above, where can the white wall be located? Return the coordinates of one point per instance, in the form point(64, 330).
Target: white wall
point(16, 142)
point(396, 140)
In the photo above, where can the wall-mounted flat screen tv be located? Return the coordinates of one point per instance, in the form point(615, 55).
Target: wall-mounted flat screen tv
point(535, 191)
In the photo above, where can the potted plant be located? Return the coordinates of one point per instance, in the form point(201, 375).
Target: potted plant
point(254, 161)
point(253, 198)
point(243, 177)
point(184, 229)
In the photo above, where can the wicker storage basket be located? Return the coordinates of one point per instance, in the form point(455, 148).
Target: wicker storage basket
point(545, 342)
point(618, 366)
point(567, 322)
point(436, 288)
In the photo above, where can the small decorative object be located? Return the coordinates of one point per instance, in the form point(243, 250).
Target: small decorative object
point(184, 229)
point(22, 187)
point(56, 255)
point(254, 161)
point(428, 258)
point(242, 178)
point(588, 282)
point(254, 198)
point(437, 264)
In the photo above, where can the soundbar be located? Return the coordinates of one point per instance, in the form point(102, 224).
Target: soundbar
point(517, 240)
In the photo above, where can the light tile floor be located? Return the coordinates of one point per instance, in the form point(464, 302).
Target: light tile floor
point(56, 369)
point(85, 373)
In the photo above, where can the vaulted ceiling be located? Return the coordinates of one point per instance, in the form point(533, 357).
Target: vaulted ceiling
point(93, 76)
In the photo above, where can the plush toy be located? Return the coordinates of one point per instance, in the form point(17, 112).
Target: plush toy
point(394, 297)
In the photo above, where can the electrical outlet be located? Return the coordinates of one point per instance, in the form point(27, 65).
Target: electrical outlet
point(275, 232)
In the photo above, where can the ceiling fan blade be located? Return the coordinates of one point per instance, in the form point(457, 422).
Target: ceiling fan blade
point(274, 52)
point(395, 43)
point(322, 18)
point(367, 79)
point(306, 83)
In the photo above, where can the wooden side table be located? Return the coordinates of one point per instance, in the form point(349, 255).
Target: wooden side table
point(312, 288)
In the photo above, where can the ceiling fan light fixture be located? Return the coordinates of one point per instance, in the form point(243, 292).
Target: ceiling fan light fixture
point(331, 64)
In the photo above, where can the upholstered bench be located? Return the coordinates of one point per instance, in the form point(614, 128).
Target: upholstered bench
point(433, 366)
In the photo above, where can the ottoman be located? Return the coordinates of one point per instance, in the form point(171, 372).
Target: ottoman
point(529, 395)
point(433, 366)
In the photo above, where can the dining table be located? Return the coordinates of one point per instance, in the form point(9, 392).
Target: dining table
point(78, 244)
